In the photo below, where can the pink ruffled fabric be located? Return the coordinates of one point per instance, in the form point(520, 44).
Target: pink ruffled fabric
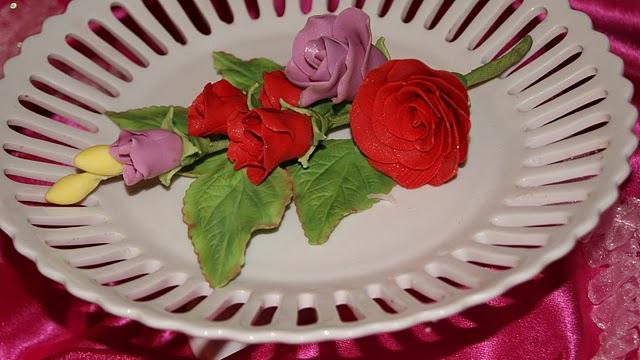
point(39, 319)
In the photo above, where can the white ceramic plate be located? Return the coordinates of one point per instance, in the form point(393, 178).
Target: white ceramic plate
point(547, 154)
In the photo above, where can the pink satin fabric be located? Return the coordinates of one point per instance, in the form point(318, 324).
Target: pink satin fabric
point(545, 318)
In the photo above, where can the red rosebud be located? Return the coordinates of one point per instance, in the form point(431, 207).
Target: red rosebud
point(276, 87)
point(262, 139)
point(210, 111)
point(412, 122)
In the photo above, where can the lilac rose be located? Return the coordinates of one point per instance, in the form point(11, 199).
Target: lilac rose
point(331, 56)
point(146, 154)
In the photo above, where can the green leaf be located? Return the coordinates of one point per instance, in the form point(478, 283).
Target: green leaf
point(223, 208)
point(141, 119)
point(337, 183)
point(205, 165)
point(181, 119)
point(149, 118)
point(383, 47)
point(243, 74)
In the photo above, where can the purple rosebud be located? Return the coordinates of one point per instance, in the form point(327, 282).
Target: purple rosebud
point(332, 55)
point(146, 154)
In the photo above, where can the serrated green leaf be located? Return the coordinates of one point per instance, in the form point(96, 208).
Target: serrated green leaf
point(243, 74)
point(337, 183)
point(223, 208)
point(207, 164)
point(380, 44)
point(149, 118)
point(141, 119)
point(181, 119)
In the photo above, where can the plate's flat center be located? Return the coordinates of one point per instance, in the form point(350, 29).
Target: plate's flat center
point(401, 232)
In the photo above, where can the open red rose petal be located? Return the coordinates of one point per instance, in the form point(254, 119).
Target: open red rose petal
point(412, 122)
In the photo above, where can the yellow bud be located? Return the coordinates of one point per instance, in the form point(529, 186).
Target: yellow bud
point(97, 160)
point(72, 188)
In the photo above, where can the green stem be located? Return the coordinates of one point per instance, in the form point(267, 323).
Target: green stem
point(496, 67)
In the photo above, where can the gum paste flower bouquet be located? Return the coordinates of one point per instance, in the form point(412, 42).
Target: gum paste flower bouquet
point(257, 139)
